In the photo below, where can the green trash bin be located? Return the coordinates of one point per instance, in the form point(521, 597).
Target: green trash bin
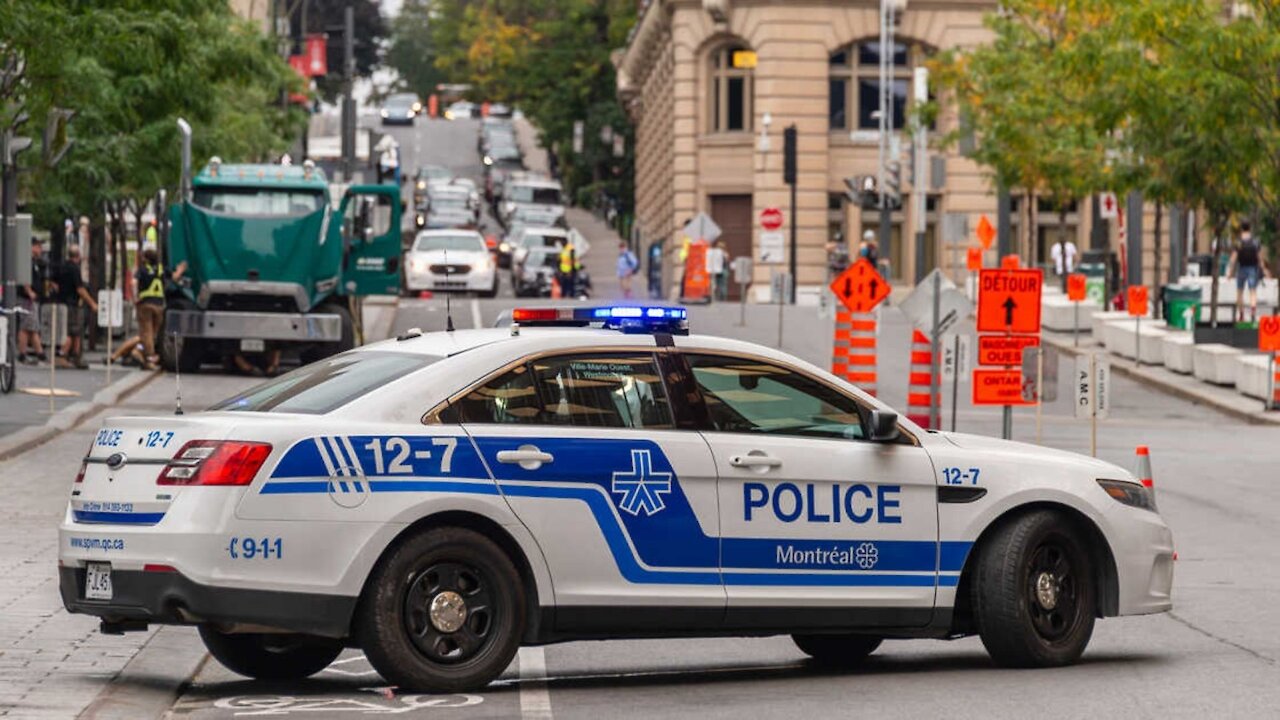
point(1095, 283)
point(1178, 299)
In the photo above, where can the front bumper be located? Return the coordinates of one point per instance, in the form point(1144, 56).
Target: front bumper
point(475, 281)
point(226, 324)
point(1143, 549)
point(169, 598)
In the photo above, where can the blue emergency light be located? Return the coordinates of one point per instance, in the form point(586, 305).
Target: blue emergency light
point(626, 318)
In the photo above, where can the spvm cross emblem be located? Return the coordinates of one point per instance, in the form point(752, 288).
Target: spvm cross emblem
point(642, 488)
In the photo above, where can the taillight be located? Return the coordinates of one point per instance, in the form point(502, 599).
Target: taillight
point(214, 462)
point(84, 464)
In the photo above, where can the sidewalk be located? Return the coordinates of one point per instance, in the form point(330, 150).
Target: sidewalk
point(28, 405)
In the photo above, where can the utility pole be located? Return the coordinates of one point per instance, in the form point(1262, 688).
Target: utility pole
point(886, 118)
point(920, 183)
point(348, 102)
point(789, 141)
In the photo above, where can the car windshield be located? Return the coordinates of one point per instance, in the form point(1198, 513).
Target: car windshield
point(539, 240)
point(535, 195)
point(435, 171)
point(258, 202)
point(449, 204)
point(327, 385)
point(449, 242)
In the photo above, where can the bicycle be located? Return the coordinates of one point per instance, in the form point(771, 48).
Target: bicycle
point(9, 347)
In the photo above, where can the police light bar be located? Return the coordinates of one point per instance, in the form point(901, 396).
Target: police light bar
point(627, 318)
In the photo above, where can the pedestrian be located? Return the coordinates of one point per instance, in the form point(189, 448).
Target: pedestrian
point(628, 264)
point(717, 267)
point(1250, 267)
point(1064, 254)
point(150, 306)
point(869, 248)
point(71, 292)
point(30, 347)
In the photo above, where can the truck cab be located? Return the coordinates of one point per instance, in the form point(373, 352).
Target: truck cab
point(272, 265)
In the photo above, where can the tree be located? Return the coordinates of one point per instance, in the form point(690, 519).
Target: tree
point(412, 51)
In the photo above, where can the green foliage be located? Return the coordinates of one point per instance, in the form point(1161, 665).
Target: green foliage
point(549, 57)
point(129, 69)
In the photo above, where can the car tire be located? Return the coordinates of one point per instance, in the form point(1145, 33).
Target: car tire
point(838, 650)
point(410, 624)
point(270, 656)
point(1034, 596)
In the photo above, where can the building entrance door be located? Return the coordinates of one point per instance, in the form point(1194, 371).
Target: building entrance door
point(733, 214)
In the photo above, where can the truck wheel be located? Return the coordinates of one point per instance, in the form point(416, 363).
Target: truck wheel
point(442, 612)
point(320, 351)
point(188, 360)
point(1033, 592)
point(839, 650)
point(270, 656)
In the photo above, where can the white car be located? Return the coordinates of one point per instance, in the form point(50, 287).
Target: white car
point(450, 260)
point(441, 499)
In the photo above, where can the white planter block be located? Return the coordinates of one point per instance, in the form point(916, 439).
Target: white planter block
point(1119, 337)
point(1100, 318)
point(1251, 375)
point(1058, 313)
point(1177, 349)
point(1215, 363)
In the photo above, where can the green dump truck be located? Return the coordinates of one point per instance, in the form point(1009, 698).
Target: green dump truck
point(272, 265)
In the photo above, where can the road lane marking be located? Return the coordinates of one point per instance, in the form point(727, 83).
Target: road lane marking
point(535, 697)
point(475, 313)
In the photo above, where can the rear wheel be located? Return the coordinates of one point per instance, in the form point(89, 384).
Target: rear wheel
point(1034, 597)
point(442, 612)
point(268, 656)
point(840, 650)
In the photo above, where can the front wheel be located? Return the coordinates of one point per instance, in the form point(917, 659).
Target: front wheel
point(442, 612)
point(269, 656)
point(838, 650)
point(1034, 596)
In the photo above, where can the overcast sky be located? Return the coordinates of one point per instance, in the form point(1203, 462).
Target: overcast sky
point(390, 8)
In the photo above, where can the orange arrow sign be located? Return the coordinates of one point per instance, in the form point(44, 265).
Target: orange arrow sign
point(860, 287)
point(1009, 301)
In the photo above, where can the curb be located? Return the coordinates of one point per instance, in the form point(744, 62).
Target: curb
point(151, 681)
point(1178, 390)
point(73, 414)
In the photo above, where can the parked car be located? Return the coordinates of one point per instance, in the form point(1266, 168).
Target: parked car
point(450, 260)
point(461, 110)
point(400, 109)
point(447, 208)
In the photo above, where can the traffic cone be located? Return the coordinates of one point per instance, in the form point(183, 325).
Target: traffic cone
point(840, 344)
point(424, 295)
point(862, 352)
point(919, 409)
point(1144, 469)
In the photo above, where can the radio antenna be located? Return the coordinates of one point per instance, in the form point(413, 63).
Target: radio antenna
point(177, 372)
point(448, 296)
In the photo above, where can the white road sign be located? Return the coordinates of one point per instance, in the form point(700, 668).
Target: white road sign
point(110, 308)
point(1092, 388)
point(772, 249)
point(955, 360)
point(1109, 206)
point(702, 227)
point(954, 308)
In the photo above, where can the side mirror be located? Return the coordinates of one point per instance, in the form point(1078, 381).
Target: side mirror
point(884, 426)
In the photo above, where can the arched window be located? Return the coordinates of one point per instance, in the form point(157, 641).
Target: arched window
point(854, 84)
point(731, 89)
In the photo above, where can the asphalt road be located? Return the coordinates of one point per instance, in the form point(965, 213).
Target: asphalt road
point(1214, 656)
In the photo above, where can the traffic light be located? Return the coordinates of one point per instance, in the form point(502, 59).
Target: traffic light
point(893, 185)
point(789, 155)
point(861, 191)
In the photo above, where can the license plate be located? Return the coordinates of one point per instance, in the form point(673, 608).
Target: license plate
point(97, 581)
point(251, 345)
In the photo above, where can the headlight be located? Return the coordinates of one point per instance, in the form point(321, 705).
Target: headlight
point(417, 107)
point(488, 160)
point(1129, 493)
point(422, 184)
point(504, 247)
point(420, 220)
point(384, 112)
point(408, 113)
point(448, 114)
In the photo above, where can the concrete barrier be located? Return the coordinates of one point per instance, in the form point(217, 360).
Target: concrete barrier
point(1100, 318)
point(1178, 349)
point(1058, 313)
point(1214, 363)
point(1251, 375)
point(1120, 335)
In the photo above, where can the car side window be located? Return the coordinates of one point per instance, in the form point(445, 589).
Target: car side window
point(606, 390)
point(508, 399)
point(609, 390)
point(746, 395)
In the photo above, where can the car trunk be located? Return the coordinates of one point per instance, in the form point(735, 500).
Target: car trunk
point(120, 473)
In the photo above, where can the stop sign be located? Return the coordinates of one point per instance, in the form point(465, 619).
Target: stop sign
point(771, 218)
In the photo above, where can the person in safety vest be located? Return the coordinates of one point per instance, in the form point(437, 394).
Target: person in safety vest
point(150, 305)
point(569, 267)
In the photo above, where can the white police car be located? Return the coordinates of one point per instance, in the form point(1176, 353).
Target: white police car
point(440, 499)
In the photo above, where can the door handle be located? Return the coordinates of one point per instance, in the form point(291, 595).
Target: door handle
point(755, 461)
point(528, 457)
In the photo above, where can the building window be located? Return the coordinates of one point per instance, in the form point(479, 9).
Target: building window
point(731, 89)
point(854, 84)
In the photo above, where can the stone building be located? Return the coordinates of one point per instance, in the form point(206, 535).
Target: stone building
point(699, 106)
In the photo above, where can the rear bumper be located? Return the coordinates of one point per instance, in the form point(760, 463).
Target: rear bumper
point(170, 598)
point(225, 324)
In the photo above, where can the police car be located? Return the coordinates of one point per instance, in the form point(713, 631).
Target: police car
point(440, 499)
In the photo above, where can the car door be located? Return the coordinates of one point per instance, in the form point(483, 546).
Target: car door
point(585, 448)
point(370, 218)
point(812, 514)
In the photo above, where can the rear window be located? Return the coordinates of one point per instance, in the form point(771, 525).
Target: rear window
point(327, 385)
point(535, 195)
